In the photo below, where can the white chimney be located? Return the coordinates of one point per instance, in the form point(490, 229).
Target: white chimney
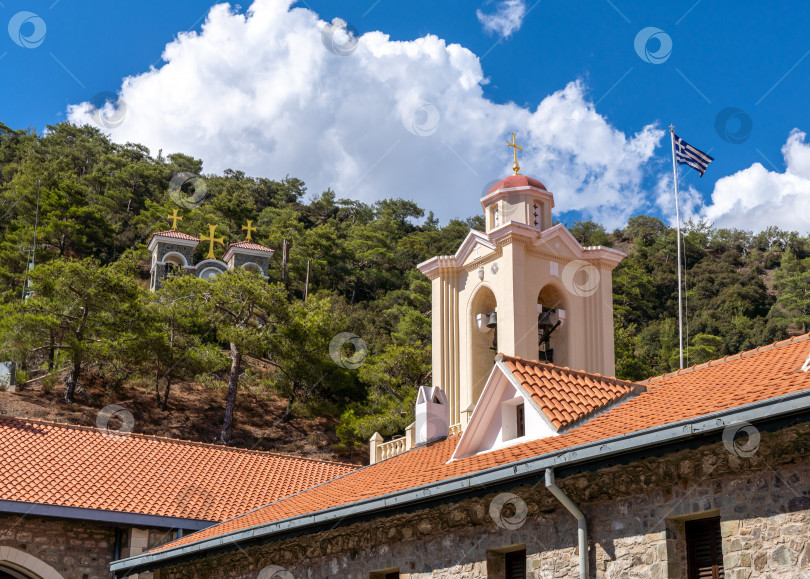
point(432, 415)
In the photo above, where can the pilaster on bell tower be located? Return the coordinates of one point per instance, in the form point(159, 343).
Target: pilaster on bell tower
point(523, 288)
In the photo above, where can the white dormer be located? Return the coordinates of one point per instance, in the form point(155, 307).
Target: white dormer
point(526, 400)
point(504, 415)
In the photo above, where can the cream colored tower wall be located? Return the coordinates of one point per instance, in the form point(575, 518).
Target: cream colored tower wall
point(445, 326)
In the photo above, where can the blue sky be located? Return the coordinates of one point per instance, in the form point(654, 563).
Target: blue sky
point(752, 58)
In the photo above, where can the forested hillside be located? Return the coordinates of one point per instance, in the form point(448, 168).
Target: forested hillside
point(88, 315)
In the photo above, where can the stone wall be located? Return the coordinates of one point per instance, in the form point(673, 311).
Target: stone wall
point(184, 250)
point(240, 259)
point(636, 515)
point(75, 549)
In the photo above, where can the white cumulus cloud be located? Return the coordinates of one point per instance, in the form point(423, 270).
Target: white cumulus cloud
point(755, 198)
point(506, 20)
point(277, 91)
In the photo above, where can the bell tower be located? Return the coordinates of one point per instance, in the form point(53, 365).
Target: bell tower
point(523, 287)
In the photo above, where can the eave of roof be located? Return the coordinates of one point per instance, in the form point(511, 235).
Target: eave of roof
point(102, 516)
point(793, 403)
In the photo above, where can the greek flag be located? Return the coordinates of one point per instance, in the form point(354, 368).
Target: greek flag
point(686, 154)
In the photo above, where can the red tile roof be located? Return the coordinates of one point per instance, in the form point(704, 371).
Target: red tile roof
point(174, 234)
point(76, 466)
point(515, 181)
point(250, 245)
point(747, 378)
point(566, 396)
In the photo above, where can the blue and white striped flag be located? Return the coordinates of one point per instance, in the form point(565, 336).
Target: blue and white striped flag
point(686, 154)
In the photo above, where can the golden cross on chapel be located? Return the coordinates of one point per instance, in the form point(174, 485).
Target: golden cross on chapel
point(515, 146)
point(211, 239)
point(174, 218)
point(249, 229)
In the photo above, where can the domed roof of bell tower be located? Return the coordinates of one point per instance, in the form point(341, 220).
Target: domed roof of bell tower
point(515, 182)
point(518, 199)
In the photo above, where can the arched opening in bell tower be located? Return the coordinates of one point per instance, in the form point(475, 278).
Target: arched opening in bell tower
point(174, 264)
point(552, 329)
point(484, 339)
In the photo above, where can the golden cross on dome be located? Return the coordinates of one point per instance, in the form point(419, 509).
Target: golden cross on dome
point(515, 146)
point(211, 239)
point(248, 228)
point(174, 218)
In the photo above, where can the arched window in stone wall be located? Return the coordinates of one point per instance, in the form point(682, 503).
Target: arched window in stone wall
point(17, 564)
point(252, 267)
point(174, 264)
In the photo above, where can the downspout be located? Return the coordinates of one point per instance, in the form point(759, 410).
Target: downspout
point(582, 524)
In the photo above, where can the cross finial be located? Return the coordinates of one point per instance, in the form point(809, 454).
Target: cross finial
point(174, 218)
point(671, 128)
point(515, 147)
point(249, 229)
point(211, 239)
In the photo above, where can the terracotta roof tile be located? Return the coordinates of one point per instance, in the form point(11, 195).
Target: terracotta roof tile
point(566, 396)
point(75, 466)
point(250, 245)
point(743, 379)
point(174, 234)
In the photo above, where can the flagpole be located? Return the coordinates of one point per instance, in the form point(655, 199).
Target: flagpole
point(678, 224)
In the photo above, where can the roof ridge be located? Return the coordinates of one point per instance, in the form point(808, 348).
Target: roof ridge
point(174, 231)
point(729, 358)
point(249, 242)
point(571, 370)
point(181, 441)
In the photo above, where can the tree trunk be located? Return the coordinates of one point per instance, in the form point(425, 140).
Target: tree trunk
point(51, 348)
point(287, 414)
point(73, 380)
point(165, 402)
point(157, 387)
point(230, 400)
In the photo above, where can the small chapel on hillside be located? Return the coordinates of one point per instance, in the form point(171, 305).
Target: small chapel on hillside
point(172, 252)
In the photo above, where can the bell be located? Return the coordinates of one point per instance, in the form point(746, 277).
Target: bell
point(545, 322)
point(493, 320)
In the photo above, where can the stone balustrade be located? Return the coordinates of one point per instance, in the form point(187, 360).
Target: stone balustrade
point(380, 450)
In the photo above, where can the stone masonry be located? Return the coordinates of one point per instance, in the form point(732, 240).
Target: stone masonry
point(636, 515)
point(75, 549)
